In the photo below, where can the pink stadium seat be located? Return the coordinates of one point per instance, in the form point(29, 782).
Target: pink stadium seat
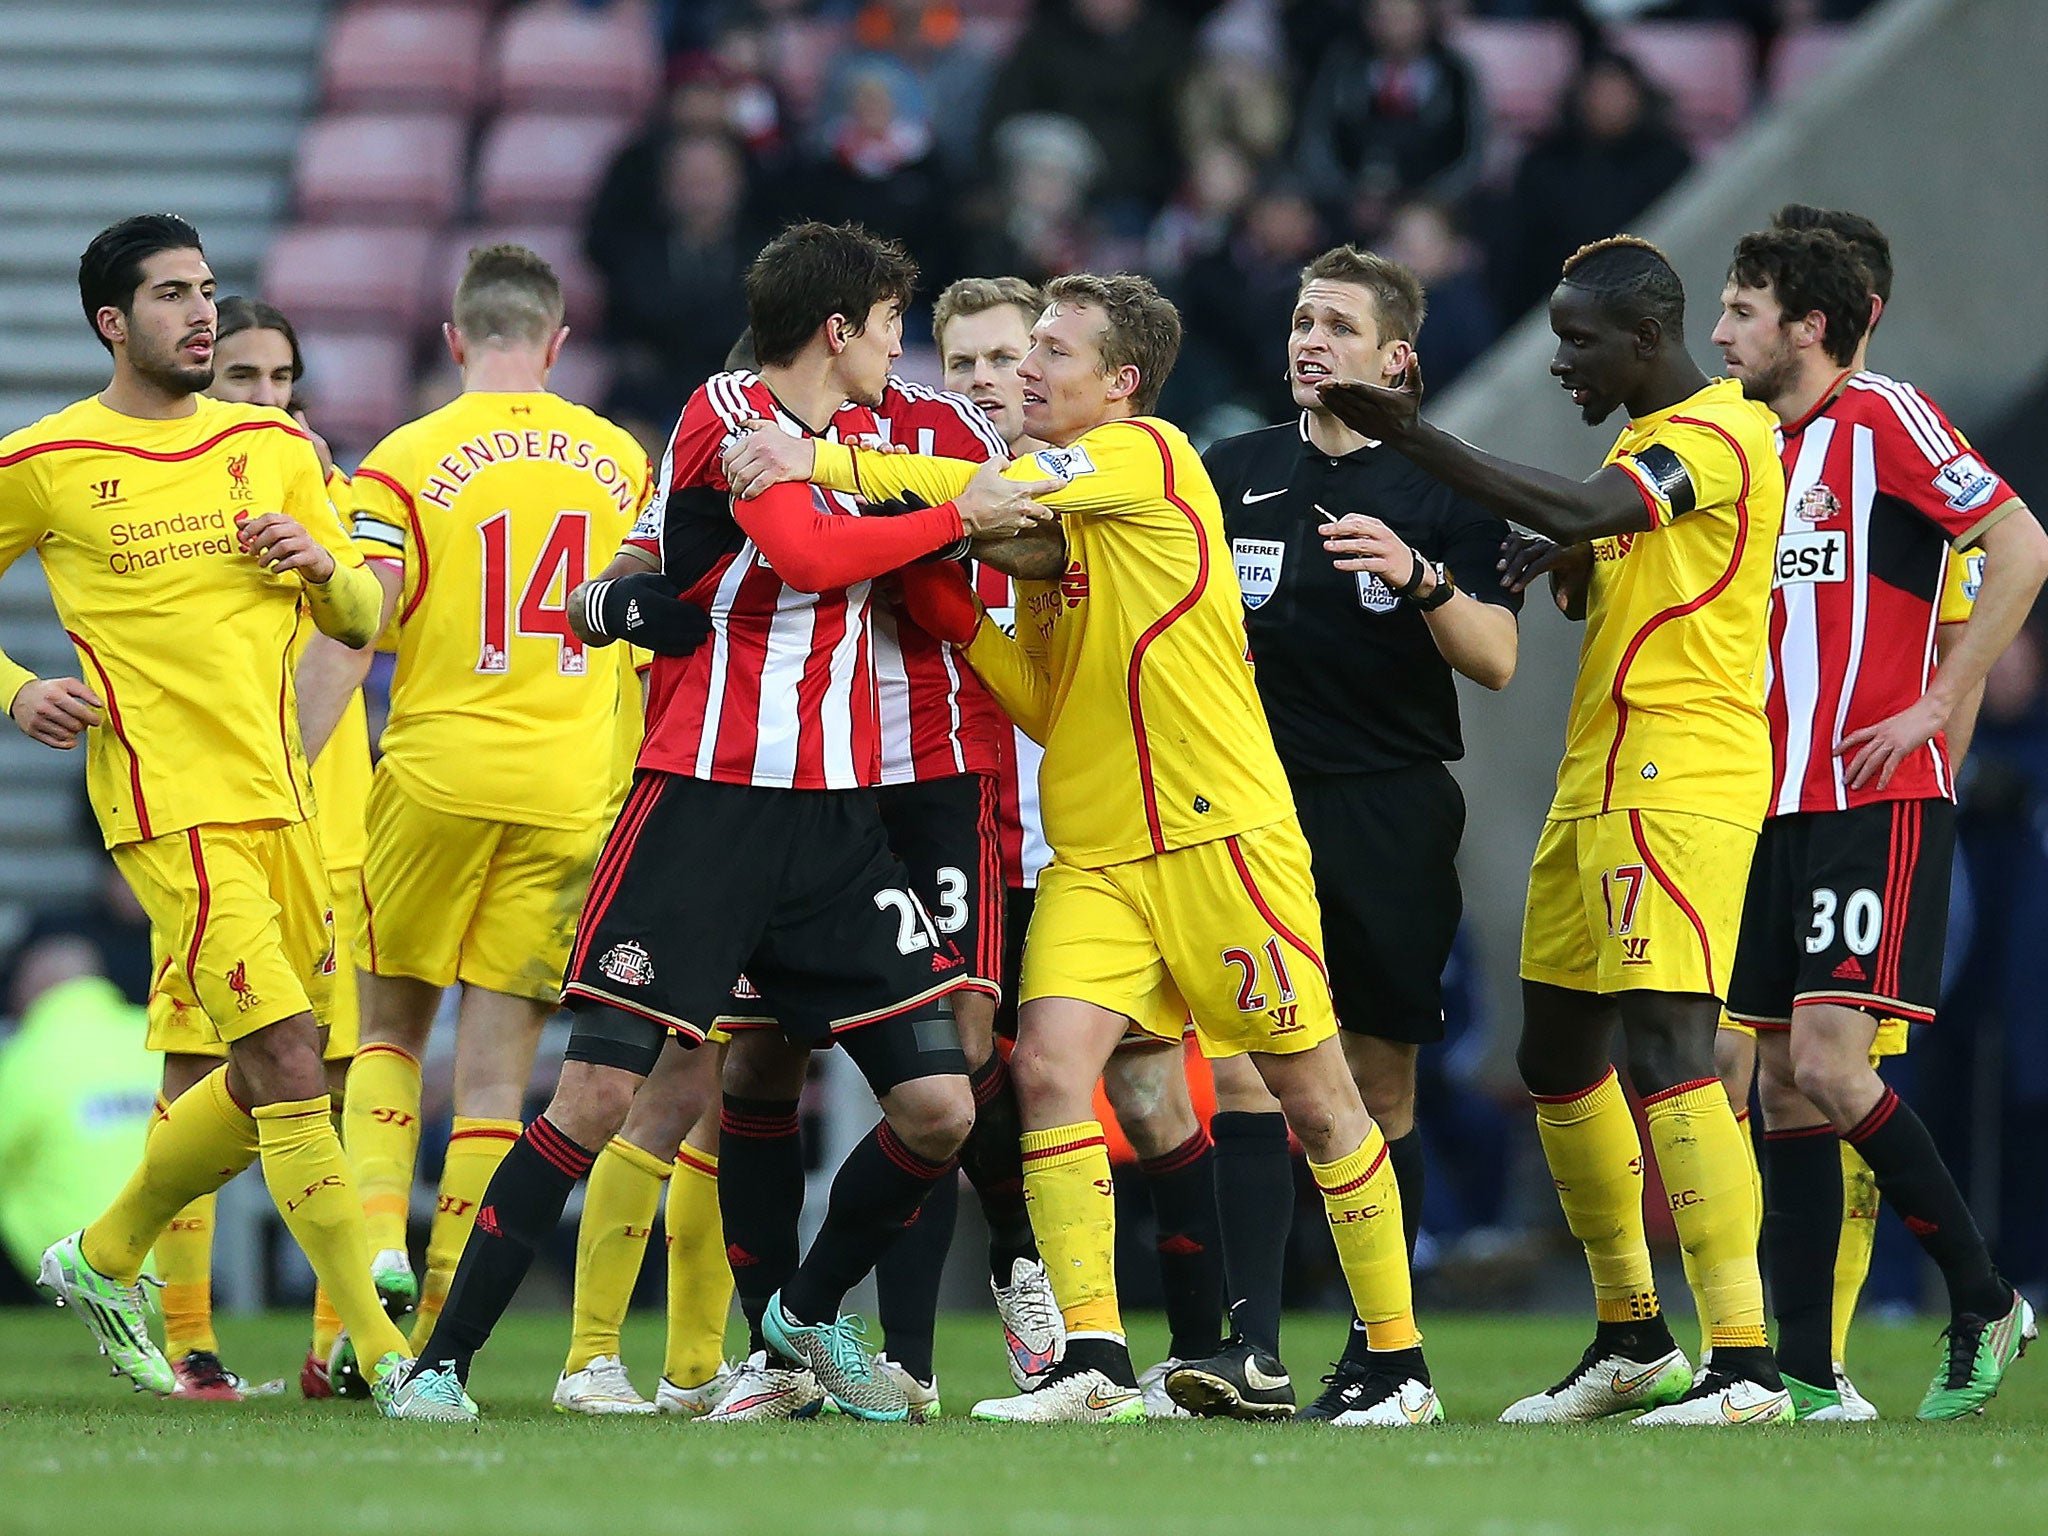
point(403, 54)
point(1799, 56)
point(557, 57)
point(350, 277)
point(379, 166)
point(358, 387)
point(560, 245)
point(544, 166)
point(1524, 69)
point(1707, 67)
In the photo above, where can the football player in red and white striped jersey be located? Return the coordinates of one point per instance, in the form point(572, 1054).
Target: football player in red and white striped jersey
point(1844, 920)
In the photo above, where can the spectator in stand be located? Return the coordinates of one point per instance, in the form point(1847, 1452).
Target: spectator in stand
point(672, 250)
point(1392, 112)
point(880, 166)
point(1613, 156)
point(1238, 302)
point(1033, 218)
point(1220, 181)
point(923, 36)
point(1116, 67)
point(1423, 236)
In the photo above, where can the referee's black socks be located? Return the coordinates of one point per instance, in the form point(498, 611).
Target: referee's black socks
point(1802, 1168)
point(1255, 1211)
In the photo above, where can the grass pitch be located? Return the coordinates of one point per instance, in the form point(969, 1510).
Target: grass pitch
point(81, 1453)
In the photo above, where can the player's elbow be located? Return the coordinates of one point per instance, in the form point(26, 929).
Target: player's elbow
point(1492, 673)
point(801, 572)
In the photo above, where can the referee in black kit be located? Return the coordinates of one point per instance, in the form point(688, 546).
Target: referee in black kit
point(1366, 584)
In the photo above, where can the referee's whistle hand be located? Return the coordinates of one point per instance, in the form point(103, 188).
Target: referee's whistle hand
point(1361, 543)
point(763, 455)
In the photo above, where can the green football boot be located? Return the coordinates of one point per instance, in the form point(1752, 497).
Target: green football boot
point(115, 1315)
point(1811, 1402)
point(838, 1355)
point(1978, 1355)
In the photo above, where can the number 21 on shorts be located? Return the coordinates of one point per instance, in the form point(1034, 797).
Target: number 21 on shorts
point(1249, 998)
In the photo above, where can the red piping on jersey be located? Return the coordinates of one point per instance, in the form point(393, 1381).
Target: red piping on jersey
point(1251, 888)
point(205, 907)
point(419, 539)
point(1663, 617)
point(1159, 627)
point(90, 445)
point(120, 734)
point(1635, 827)
point(284, 729)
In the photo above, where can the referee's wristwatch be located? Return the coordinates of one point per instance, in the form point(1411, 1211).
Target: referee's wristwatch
point(1439, 594)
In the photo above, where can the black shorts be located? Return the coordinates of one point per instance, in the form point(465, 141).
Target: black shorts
point(1846, 907)
point(700, 882)
point(948, 834)
point(1384, 848)
point(1017, 904)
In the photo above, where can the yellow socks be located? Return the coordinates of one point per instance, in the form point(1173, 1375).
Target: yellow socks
point(309, 1179)
point(381, 1115)
point(1756, 1196)
point(611, 1243)
point(1364, 1206)
point(1708, 1180)
point(699, 1278)
point(203, 1140)
point(184, 1261)
point(1596, 1161)
point(1072, 1202)
point(475, 1148)
point(1859, 1236)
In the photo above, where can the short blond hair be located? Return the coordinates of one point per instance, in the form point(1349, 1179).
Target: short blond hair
point(979, 295)
point(1397, 297)
point(1143, 326)
point(508, 294)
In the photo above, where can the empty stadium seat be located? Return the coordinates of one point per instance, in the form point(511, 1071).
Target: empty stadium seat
point(1708, 68)
point(544, 166)
point(1802, 54)
point(1524, 69)
point(402, 54)
point(350, 277)
point(358, 387)
point(562, 247)
point(378, 166)
point(556, 57)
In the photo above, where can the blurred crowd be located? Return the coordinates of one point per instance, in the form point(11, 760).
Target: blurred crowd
point(1215, 144)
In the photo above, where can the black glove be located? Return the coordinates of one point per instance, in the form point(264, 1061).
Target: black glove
point(647, 610)
point(910, 501)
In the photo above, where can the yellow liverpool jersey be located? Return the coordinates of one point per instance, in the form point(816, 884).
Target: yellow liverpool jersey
point(1131, 669)
point(189, 643)
point(1668, 710)
point(341, 773)
point(496, 506)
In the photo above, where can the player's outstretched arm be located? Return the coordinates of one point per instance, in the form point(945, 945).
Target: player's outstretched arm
point(1557, 506)
point(1036, 554)
point(2015, 566)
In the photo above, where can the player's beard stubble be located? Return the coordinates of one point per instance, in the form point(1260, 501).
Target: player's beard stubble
point(159, 366)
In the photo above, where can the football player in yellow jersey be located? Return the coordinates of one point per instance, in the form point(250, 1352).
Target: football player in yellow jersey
point(1636, 892)
point(1735, 1049)
point(189, 544)
point(257, 362)
point(488, 805)
point(1180, 880)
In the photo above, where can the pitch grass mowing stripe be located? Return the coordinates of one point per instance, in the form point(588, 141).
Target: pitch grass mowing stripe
point(79, 1452)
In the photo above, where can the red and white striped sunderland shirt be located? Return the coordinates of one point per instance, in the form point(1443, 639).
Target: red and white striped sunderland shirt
point(1877, 486)
point(1025, 851)
point(938, 721)
point(783, 693)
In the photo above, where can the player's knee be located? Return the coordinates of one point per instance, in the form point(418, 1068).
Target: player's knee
point(1735, 1065)
point(280, 1063)
point(1389, 1098)
point(591, 1102)
point(932, 1116)
point(1046, 1084)
point(1826, 1075)
point(1552, 1074)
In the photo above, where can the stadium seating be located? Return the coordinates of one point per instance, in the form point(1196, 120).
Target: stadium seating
point(1801, 54)
point(552, 57)
point(397, 55)
point(561, 245)
point(1524, 69)
point(359, 387)
point(380, 166)
point(352, 277)
point(1707, 68)
point(534, 165)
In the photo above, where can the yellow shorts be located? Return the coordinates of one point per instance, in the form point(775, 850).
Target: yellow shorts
point(1226, 932)
point(183, 1029)
point(241, 925)
point(1891, 1040)
point(1628, 901)
point(452, 898)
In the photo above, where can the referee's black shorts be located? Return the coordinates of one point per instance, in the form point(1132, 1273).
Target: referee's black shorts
point(1385, 847)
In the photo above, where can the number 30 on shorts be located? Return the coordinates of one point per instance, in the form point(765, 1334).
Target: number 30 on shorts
point(1860, 915)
